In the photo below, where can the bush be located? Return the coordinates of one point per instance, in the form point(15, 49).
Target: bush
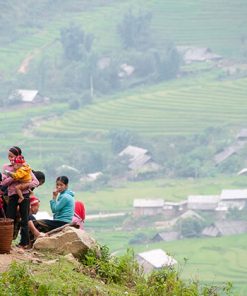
point(124, 272)
point(119, 270)
point(74, 104)
point(190, 227)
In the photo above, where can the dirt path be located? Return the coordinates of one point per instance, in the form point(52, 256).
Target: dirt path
point(16, 254)
point(24, 67)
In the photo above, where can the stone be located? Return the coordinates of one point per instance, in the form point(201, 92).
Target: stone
point(68, 240)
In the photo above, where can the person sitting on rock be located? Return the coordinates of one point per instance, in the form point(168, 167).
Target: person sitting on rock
point(79, 214)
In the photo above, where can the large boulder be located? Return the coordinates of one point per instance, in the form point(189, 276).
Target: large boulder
point(68, 240)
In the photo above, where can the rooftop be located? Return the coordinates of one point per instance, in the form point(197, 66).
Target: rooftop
point(158, 258)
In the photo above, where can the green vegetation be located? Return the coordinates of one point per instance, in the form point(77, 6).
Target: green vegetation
point(210, 259)
point(121, 274)
point(182, 122)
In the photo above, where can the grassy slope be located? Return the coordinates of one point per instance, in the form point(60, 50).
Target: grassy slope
point(210, 260)
point(218, 24)
point(181, 107)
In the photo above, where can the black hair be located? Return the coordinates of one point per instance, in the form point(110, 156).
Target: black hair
point(15, 150)
point(40, 176)
point(63, 179)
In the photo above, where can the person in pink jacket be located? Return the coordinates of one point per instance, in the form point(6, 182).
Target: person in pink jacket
point(13, 196)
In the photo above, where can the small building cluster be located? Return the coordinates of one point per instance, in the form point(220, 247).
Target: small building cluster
point(228, 199)
point(172, 214)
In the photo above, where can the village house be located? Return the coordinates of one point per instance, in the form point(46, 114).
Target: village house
point(27, 96)
point(188, 215)
point(173, 209)
point(223, 228)
point(147, 207)
point(166, 236)
point(140, 160)
point(233, 198)
point(241, 141)
point(154, 259)
point(169, 224)
point(242, 135)
point(228, 151)
point(92, 177)
point(203, 202)
point(192, 54)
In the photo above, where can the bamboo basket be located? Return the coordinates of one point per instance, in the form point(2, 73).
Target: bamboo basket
point(6, 234)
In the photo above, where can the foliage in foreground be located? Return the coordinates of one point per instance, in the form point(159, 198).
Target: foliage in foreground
point(104, 275)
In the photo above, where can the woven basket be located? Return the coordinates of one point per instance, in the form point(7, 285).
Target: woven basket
point(6, 234)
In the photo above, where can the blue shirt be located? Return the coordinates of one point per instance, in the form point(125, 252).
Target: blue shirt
point(63, 207)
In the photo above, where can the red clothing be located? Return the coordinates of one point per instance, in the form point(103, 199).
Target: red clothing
point(80, 209)
point(79, 214)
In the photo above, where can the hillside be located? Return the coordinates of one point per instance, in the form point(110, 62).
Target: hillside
point(183, 122)
point(219, 25)
point(47, 273)
point(183, 107)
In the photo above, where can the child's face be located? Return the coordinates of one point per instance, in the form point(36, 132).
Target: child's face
point(34, 209)
point(11, 156)
point(60, 186)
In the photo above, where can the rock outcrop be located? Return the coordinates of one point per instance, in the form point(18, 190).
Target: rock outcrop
point(68, 240)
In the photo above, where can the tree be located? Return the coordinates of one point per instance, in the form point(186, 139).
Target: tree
point(167, 63)
point(191, 227)
point(120, 139)
point(75, 42)
point(134, 30)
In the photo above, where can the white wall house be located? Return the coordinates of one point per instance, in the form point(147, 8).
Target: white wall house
point(154, 259)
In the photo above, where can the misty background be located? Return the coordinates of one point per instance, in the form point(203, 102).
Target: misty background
point(142, 104)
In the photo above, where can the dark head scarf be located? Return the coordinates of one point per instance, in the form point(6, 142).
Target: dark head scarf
point(15, 150)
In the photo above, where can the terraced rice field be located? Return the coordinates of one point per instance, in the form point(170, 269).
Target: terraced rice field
point(214, 260)
point(217, 24)
point(163, 110)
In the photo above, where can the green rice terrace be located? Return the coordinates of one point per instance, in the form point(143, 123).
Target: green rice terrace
point(215, 24)
point(168, 109)
point(202, 96)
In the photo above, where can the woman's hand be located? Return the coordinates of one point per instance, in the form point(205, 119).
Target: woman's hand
point(55, 194)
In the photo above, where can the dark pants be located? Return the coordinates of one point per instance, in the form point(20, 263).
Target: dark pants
point(24, 212)
point(47, 225)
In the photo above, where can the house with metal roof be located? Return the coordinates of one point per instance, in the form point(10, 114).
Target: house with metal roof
point(27, 96)
point(154, 259)
point(173, 209)
point(139, 159)
point(203, 202)
point(224, 228)
point(233, 198)
point(192, 54)
point(147, 207)
point(242, 135)
point(190, 214)
point(228, 151)
point(166, 236)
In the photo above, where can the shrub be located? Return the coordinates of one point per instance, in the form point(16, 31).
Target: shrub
point(119, 270)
